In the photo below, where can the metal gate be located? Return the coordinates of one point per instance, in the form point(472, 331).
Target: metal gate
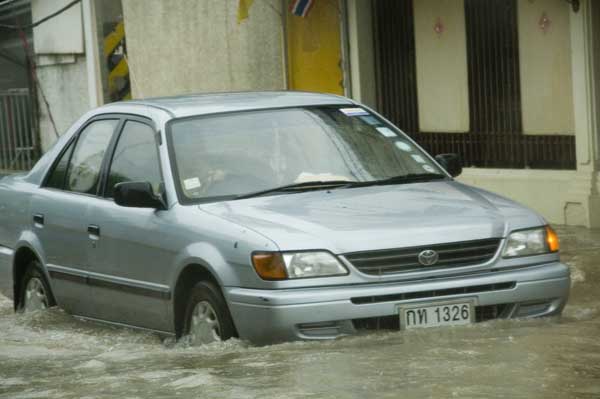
point(19, 144)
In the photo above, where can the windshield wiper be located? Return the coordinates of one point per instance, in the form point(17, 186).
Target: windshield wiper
point(296, 187)
point(320, 184)
point(408, 178)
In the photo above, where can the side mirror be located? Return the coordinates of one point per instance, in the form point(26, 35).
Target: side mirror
point(451, 162)
point(137, 195)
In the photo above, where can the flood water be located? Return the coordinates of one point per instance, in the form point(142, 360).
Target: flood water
point(51, 355)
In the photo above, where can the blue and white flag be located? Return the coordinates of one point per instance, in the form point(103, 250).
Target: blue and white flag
point(301, 7)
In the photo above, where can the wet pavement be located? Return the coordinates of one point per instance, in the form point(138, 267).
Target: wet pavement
point(51, 355)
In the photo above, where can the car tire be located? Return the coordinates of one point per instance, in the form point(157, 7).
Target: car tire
point(35, 292)
point(207, 318)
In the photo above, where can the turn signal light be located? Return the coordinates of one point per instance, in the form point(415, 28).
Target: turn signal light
point(269, 266)
point(552, 239)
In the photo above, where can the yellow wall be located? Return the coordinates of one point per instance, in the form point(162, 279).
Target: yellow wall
point(314, 52)
point(442, 76)
point(545, 57)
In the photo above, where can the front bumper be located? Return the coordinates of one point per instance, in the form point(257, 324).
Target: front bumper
point(270, 316)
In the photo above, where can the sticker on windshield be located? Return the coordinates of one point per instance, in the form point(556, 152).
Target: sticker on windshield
point(429, 168)
point(371, 120)
point(418, 158)
point(404, 146)
point(192, 183)
point(386, 131)
point(353, 111)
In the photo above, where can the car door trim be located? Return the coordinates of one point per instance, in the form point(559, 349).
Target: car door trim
point(136, 287)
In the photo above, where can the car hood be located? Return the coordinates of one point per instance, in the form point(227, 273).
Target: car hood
point(378, 217)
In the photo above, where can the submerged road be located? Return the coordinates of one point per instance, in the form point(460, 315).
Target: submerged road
point(52, 355)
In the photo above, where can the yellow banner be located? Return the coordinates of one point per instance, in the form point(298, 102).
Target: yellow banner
point(243, 9)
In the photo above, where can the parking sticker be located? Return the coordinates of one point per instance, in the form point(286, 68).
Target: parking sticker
point(387, 132)
point(418, 158)
point(404, 146)
point(353, 111)
point(192, 183)
point(371, 120)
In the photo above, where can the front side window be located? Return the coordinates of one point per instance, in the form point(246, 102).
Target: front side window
point(135, 158)
point(83, 173)
point(238, 153)
point(58, 175)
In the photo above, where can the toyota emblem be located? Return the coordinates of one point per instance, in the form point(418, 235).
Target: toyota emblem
point(428, 257)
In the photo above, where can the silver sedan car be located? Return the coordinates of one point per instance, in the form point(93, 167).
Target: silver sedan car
point(268, 216)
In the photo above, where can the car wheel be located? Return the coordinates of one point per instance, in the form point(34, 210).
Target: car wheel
point(35, 290)
point(207, 318)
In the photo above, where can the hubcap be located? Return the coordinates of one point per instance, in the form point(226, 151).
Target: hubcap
point(204, 326)
point(35, 295)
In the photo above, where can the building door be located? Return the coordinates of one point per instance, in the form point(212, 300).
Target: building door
point(314, 49)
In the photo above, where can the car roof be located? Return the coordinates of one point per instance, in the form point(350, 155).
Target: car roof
point(210, 103)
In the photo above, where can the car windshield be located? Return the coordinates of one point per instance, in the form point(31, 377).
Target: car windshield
point(233, 154)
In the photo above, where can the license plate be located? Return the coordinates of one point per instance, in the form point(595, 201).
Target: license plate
point(436, 314)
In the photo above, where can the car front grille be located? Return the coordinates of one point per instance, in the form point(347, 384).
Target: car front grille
point(401, 260)
point(482, 313)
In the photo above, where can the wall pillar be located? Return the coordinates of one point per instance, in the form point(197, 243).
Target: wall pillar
point(92, 54)
point(361, 53)
point(585, 205)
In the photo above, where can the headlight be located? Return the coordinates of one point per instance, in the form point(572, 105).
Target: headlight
point(537, 241)
point(291, 265)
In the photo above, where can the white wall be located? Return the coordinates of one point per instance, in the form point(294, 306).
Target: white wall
point(552, 193)
point(441, 58)
point(61, 69)
point(198, 46)
point(596, 73)
point(62, 34)
point(63, 80)
point(545, 65)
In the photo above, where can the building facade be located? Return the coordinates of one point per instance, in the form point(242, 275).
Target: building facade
point(511, 85)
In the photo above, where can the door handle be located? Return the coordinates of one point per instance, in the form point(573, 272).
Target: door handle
point(38, 220)
point(93, 231)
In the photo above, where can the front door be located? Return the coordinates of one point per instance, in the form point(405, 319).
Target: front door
point(130, 258)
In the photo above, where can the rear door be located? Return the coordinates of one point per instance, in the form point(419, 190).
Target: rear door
point(60, 207)
point(130, 260)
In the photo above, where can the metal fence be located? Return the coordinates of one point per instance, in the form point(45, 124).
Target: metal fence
point(503, 149)
point(19, 144)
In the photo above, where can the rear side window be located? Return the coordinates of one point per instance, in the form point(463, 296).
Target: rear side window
point(135, 158)
point(83, 173)
point(58, 175)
